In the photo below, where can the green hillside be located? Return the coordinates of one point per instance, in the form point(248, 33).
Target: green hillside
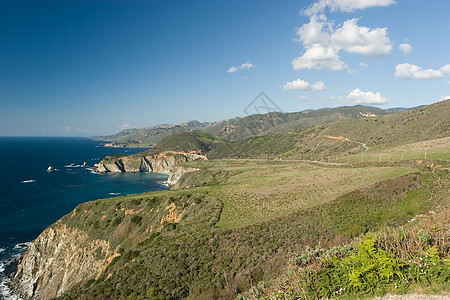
point(189, 141)
point(256, 222)
point(346, 137)
point(275, 122)
point(186, 141)
point(243, 225)
point(239, 128)
point(151, 135)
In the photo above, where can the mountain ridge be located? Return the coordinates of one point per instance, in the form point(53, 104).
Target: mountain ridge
point(241, 127)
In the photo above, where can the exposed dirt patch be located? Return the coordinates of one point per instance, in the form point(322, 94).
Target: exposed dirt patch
point(337, 137)
point(108, 261)
point(172, 215)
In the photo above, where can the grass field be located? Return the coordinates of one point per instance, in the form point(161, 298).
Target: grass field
point(438, 149)
point(256, 191)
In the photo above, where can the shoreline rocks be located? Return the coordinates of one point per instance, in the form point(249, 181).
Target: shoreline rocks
point(165, 162)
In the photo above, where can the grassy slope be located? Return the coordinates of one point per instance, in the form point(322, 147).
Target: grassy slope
point(378, 133)
point(235, 129)
point(262, 191)
point(197, 258)
point(183, 141)
point(242, 220)
point(189, 141)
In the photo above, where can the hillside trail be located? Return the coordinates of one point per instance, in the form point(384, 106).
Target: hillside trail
point(342, 138)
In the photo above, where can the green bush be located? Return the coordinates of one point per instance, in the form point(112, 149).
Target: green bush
point(136, 220)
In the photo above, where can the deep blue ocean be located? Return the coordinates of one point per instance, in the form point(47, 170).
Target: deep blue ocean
point(31, 198)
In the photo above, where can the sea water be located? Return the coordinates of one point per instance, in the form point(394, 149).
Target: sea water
point(32, 198)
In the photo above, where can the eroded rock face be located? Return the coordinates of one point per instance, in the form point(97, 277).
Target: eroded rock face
point(165, 162)
point(176, 175)
point(58, 259)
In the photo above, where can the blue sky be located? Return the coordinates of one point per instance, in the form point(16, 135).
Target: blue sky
point(83, 68)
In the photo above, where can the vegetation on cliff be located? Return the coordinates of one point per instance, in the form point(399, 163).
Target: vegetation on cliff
point(253, 227)
point(201, 253)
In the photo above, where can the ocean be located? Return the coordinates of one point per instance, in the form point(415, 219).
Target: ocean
point(31, 198)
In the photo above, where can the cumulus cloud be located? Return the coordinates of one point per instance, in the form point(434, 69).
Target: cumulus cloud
point(415, 72)
point(244, 66)
point(344, 5)
point(359, 97)
point(319, 57)
point(362, 40)
point(302, 85)
point(323, 42)
point(405, 48)
point(444, 98)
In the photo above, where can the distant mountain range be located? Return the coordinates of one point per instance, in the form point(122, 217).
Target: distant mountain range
point(242, 127)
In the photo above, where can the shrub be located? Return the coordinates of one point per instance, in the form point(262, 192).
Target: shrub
point(136, 220)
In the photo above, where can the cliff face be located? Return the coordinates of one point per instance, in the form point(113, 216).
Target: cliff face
point(165, 162)
point(72, 251)
point(82, 246)
point(58, 259)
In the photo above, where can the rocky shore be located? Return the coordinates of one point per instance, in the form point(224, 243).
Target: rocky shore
point(167, 162)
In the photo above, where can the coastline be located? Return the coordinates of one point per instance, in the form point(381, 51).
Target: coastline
point(34, 198)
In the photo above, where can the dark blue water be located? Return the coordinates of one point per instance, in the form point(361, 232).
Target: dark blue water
point(31, 198)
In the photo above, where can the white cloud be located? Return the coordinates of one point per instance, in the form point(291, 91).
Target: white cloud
point(344, 5)
point(359, 97)
point(361, 40)
point(405, 48)
point(364, 65)
point(448, 82)
point(322, 43)
point(319, 57)
point(302, 85)
point(444, 98)
point(415, 72)
point(244, 66)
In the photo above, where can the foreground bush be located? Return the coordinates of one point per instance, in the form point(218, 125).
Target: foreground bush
point(396, 261)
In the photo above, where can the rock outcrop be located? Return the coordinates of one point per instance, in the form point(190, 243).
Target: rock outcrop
point(58, 259)
point(165, 162)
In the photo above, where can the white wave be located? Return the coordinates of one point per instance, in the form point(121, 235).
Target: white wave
point(114, 194)
point(22, 245)
point(2, 267)
point(73, 166)
point(5, 291)
point(2, 249)
point(28, 181)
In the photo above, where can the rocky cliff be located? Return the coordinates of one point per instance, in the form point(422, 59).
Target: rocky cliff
point(55, 262)
point(165, 162)
point(83, 246)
